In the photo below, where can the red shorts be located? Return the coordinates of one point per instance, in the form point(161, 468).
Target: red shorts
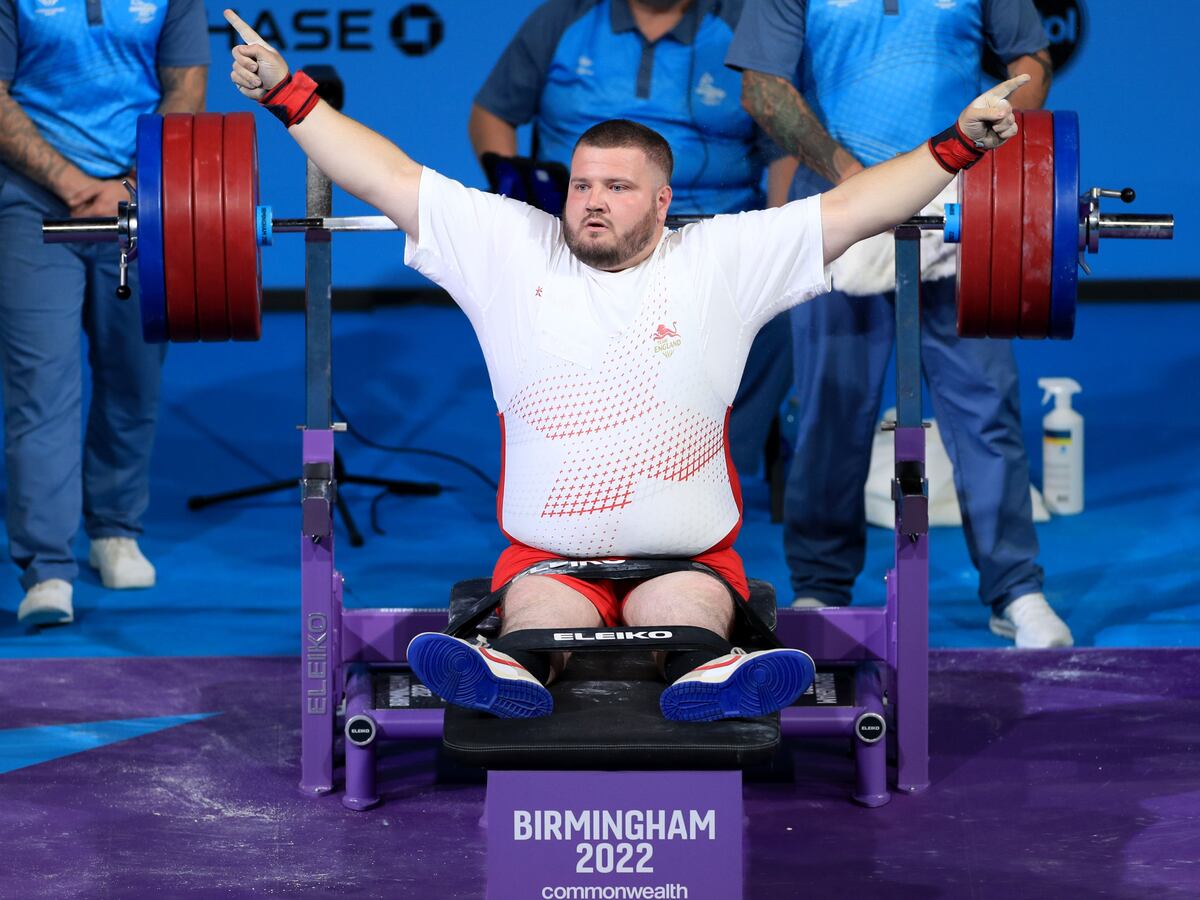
point(606, 595)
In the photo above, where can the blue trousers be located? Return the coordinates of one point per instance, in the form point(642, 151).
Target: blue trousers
point(842, 346)
point(47, 292)
point(765, 383)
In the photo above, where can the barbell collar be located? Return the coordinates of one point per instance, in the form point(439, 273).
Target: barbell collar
point(1125, 195)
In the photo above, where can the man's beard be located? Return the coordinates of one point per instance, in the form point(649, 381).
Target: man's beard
point(611, 255)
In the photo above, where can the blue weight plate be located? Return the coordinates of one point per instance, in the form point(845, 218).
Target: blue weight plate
point(1064, 277)
point(150, 229)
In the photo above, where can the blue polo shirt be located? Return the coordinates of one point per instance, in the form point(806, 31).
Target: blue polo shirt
point(84, 70)
point(882, 75)
point(578, 62)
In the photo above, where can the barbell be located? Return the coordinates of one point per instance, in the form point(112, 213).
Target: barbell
point(195, 227)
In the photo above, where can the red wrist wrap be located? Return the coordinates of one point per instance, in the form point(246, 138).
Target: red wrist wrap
point(292, 99)
point(953, 150)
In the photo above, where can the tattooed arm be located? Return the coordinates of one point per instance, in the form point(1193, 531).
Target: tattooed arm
point(24, 149)
point(778, 107)
point(1040, 71)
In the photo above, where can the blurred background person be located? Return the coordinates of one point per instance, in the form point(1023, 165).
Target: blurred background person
point(73, 80)
point(821, 79)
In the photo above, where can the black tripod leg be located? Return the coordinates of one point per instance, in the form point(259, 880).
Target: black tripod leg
point(395, 486)
point(202, 500)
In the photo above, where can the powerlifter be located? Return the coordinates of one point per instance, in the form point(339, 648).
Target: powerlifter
point(614, 347)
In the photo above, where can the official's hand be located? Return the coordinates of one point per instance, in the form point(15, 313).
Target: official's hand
point(257, 66)
point(989, 120)
point(99, 198)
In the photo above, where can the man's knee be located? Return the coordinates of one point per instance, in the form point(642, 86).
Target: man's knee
point(681, 598)
point(537, 601)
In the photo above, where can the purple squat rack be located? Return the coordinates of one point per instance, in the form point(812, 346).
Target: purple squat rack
point(887, 646)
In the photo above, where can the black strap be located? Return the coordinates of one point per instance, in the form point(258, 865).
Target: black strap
point(621, 638)
point(617, 569)
point(465, 623)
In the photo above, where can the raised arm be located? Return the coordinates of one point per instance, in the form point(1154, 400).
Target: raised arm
point(883, 196)
point(357, 159)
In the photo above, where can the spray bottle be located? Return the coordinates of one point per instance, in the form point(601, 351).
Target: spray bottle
point(1062, 448)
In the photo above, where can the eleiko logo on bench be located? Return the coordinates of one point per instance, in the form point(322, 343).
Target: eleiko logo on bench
point(657, 635)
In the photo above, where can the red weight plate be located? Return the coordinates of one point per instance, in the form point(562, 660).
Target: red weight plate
point(1007, 161)
point(179, 260)
point(1037, 245)
point(243, 271)
point(208, 180)
point(975, 248)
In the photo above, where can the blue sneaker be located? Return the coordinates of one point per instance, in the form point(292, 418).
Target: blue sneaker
point(739, 685)
point(477, 677)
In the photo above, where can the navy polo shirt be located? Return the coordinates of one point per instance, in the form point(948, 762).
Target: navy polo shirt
point(574, 63)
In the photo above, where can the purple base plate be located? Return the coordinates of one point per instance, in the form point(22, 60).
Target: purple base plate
point(1055, 774)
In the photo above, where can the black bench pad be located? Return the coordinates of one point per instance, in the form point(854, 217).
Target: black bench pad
point(606, 716)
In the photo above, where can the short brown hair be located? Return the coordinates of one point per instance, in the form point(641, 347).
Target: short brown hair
point(624, 133)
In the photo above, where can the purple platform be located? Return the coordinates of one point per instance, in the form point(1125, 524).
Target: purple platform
point(1055, 774)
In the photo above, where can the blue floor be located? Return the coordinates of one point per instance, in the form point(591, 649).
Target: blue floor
point(1124, 573)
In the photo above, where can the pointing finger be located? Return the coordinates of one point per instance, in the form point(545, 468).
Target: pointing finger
point(247, 34)
point(1005, 89)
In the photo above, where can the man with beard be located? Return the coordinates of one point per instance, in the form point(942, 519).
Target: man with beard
point(574, 63)
point(614, 348)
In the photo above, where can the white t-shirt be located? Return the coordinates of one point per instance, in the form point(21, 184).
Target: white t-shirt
point(614, 387)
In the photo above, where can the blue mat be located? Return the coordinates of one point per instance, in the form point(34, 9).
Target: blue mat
point(1124, 573)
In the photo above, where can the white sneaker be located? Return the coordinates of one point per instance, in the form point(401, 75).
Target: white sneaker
point(47, 603)
point(1031, 622)
point(808, 603)
point(739, 685)
point(121, 563)
point(478, 677)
